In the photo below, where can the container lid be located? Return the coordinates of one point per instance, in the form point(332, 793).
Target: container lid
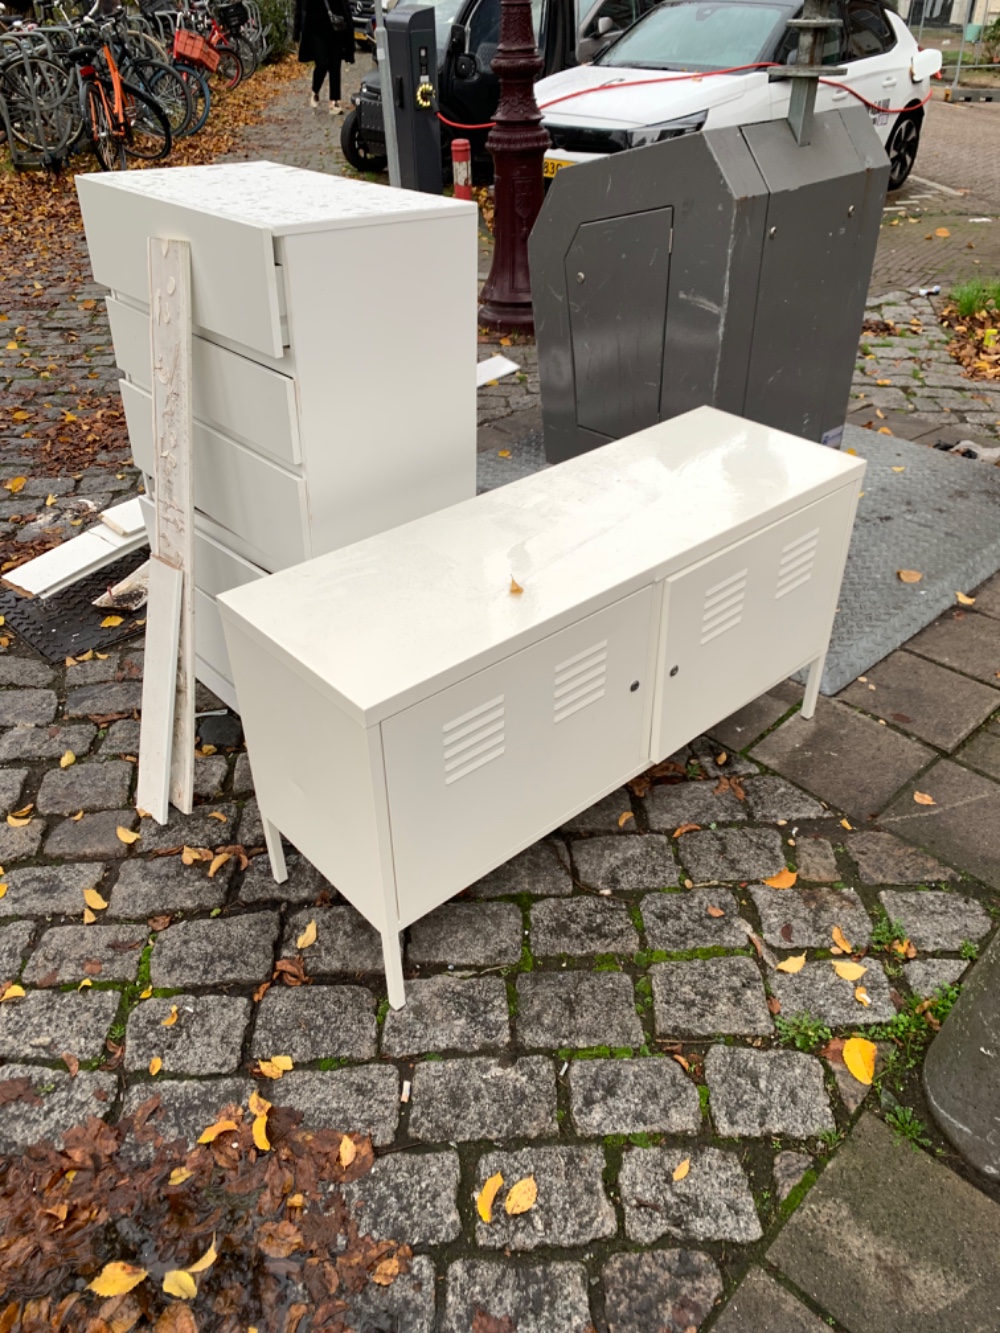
point(390, 620)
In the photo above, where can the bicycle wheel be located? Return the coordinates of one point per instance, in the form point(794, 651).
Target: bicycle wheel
point(168, 88)
point(201, 97)
point(230, 71)
point(106, 144)
point(147, 129)
point(246, 53)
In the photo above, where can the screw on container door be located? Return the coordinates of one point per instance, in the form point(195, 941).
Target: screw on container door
point(850, 211)
point(773, 232)
point(634, 686)
point(581, 277)
point(674, 670)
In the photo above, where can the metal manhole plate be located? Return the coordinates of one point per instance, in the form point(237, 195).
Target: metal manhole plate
point(66, 625)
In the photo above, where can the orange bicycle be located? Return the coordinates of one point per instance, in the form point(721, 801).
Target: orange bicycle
point(119, 121)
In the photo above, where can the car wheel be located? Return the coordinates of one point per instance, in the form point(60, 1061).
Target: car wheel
point(902, 150)
point(354, 148)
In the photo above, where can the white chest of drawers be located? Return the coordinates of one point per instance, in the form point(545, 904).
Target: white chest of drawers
point(412, 722)
point(318, 421)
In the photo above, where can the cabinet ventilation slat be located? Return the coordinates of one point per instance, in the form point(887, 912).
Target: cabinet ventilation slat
point(796, 564)
point(580, 680)
point(723, 606)
point(474, 739)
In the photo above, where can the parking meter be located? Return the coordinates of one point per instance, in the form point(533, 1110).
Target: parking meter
point(414, 66)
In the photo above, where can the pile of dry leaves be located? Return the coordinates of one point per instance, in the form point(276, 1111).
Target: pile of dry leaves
point(119, 1230)
point(976, 342)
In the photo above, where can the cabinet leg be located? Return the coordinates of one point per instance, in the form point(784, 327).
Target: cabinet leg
point(392, 955)
point(812, 686)
point(275, 851)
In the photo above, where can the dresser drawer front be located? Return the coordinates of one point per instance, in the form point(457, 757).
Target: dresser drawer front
point(239, 397)
point(244, 493)
point(485, 767)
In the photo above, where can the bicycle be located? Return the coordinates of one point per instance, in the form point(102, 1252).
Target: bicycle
point(120, 121)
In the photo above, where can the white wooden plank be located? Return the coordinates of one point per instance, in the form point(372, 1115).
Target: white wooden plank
point(159, 688)
point(124, 518)
point(170, 342)
point(65, 565)
point(494, 368)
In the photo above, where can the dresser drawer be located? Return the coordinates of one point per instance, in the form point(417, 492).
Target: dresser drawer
point(244, 493)
point(239, 397)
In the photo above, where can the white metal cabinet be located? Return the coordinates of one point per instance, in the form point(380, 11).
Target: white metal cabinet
point(311, 432)
point(412, 722)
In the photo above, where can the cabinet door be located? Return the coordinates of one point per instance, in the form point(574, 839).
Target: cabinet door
point(485, 767)
point(739, 621)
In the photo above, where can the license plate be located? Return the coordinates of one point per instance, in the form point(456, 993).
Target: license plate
point(550, 165)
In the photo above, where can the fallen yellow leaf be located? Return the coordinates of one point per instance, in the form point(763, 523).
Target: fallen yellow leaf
point(68, 758)
point(13, 992)
point(258, 1104)
point(844, 824)
point(521, 1196)
point(155, 1065)
point(485, 1197)
point(784, 879)
point(963, 600)
point(218, 862)
point(171, 1018)
point(269, 1069)
point(861, 995)
point(145, 994)
point(3, 890)
point(909, 575)
point(307, 937)
point(296, 1201)
point(840, 939)
point(681, 1169)
point(883, 384)
point(859, 1057)
point(347, 1152)
point(111, 622)
point(181, 1284)
point(178, 1175)
point(116, 1279)
point(88, 919)
point(127, 836)
point(260, 1133)
point(49, 501)
point(503, 453)
point(206, 1260)
point(213, 1131)
point(14, 822)
point(77, 817)
point(515, 587)
point(942, 231)
point(93, 899)
point(922, 798)
point(899, 469)
point(16, 484)
point(624, 817)
point(849, 971)
point(386, 1272)
point(793, 964)
point(284, 1062)
point(884, 430)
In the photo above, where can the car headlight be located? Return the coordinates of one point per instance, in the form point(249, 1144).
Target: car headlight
point(644, 135)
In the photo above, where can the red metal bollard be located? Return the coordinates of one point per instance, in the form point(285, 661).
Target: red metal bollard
point(461, 168)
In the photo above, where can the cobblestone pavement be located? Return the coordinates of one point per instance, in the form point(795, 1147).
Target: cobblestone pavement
point(604, 1013)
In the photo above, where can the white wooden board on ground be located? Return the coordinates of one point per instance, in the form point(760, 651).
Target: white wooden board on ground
point(494, 368)
point(65, 565)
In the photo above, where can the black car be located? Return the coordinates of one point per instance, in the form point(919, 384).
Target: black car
point(363, 14)
point(468, 32)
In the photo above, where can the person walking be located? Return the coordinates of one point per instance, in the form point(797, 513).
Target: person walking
point(324, 31)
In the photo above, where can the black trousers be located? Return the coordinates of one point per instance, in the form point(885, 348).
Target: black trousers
point(321, 71)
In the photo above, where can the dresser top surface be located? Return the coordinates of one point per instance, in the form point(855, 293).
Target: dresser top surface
point(397, 616)
point(278, 198)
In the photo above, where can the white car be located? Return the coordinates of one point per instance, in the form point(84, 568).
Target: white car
point(630, 96)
